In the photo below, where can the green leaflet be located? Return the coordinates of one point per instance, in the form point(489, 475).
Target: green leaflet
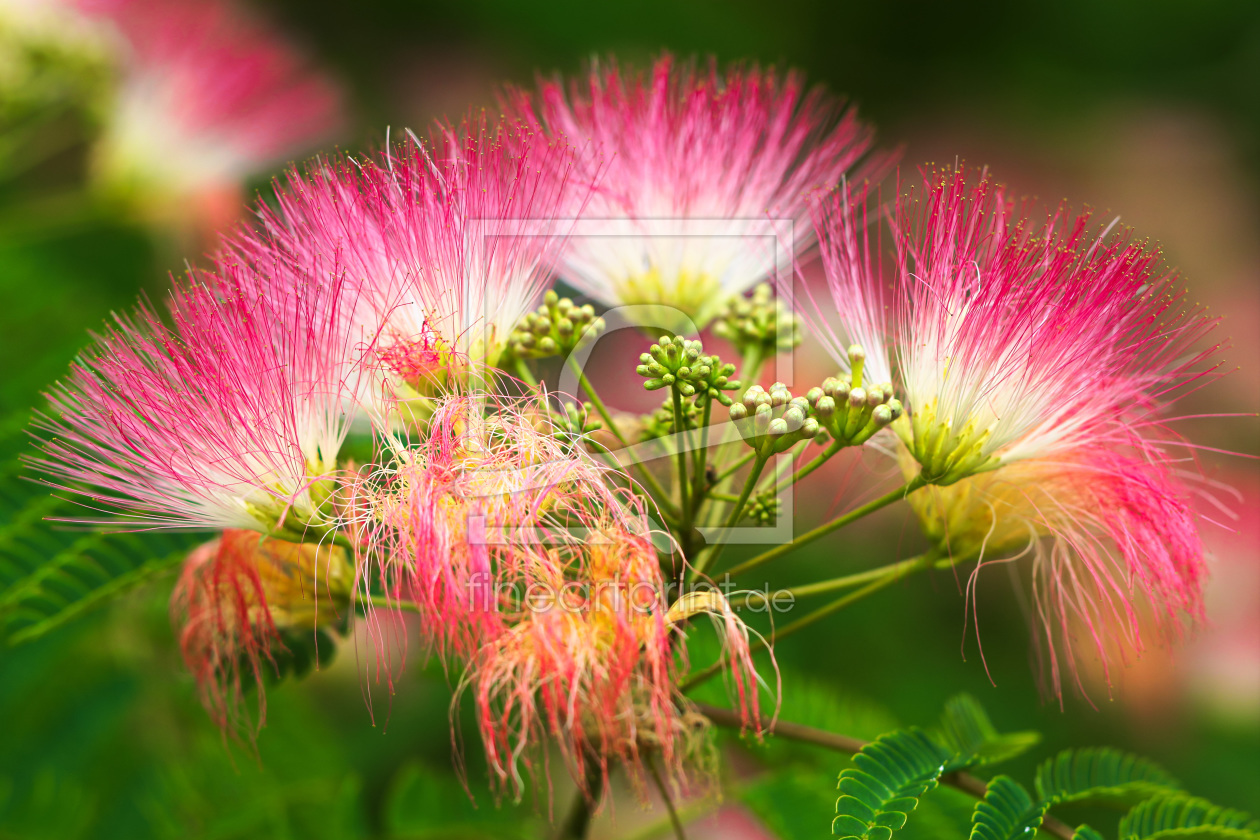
point(1100, 773)
point(885, 783)
point(1185, 816)
point(968, 732)
point(1084, 832)
point(48, 576)
point(1007, 812)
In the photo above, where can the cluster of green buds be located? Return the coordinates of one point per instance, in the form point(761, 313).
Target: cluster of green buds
point(681, 363)
point(554, 329)
point(574, 420)
point(850, 412)
point(760, 323)
point(660, 423)
point(764, 508)
point(774, 421)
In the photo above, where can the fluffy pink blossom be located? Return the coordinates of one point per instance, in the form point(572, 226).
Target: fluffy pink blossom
point(1021, 338)
point(208, 95)
point(449, 241)
point(696, 170)
point(1039, 360)
point(1114, 545)
point(232, 418)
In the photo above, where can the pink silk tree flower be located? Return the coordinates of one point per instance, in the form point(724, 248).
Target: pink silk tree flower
point(207, 96)
point(1023, 339)
point(1114, 545)
point(449, 241)
point(698, 173)
point(235, 597)
point(233, 418)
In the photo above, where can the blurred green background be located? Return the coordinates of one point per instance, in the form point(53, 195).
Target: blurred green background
point(1146, 109)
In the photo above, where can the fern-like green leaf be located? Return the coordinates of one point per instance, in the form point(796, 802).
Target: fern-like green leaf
point(49, 576)
point(1185, 816)
point(968, 732)
point(1007, 812)
point(885, 783)
point(1100, 773)
point(1084, 832)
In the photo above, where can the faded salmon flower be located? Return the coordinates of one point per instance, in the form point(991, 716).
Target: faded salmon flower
point(694, 170)
point(207, 96)
point(237, 595)
point(1022, 339)
point(1113, 542)
point(233, 418)
point(449, 242)
point(455, 515)
point(592, 661)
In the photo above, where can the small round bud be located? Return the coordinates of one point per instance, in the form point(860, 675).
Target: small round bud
point(882, 415)
point(875, 396)
point(825, 407)
point(810, 428)
point(813, 395)
point(777, 427)
point(551, 298)
point(564, 326)
point(857, 397)
point(548, 345)
point(856, 353)
point(738, 411)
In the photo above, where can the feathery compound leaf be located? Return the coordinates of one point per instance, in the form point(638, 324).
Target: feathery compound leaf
point(1007, 812)
point(967, 730)
point(46, 582)
point(885, 783)
point(1185, 816)
point(1084, 832)
point(1100, 773)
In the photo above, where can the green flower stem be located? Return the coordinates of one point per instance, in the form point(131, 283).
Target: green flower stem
point(699, 486)
point(524, 373)
point(845, 582)
point(834, 525)
point(733, 468)
point(654, 487)
point(848, 745)
point(577, 824)
point(706, 559)
point(680, 429)
point(822, 458)
point(890, 575)
point(674, 821)
point(385, 602)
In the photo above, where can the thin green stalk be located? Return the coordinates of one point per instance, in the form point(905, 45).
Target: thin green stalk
point(680, 429)
point(834, 584)
point(706, 559)
point(524, 373)
point(577, 824)
point(385, 602)
point(840, 603)
point(822, 458)
point(834, 525)
point(734, 467)
point(699, 488)
point(654, 487)
point(669, 802)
